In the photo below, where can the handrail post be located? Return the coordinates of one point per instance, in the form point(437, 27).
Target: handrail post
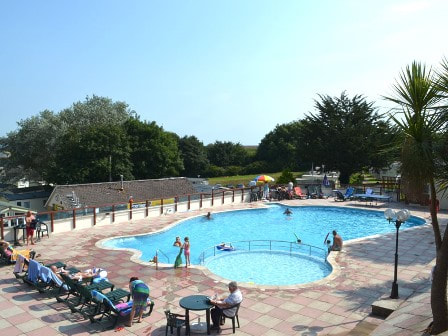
point(175, 203)
point(223, 197)
point(213, 194)
point(161, 206)
point(200, 201)
point(189, 201)
point(74, 219)
point(233, 196)
point(113, 213)
point(52, 221)
point(147, 208)
point(242, 195)
point(94, 216)
point(2, 233)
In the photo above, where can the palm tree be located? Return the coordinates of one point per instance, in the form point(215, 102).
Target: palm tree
point(420, 120)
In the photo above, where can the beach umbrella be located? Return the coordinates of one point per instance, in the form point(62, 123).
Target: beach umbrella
point(326, 181)
point(264, 178)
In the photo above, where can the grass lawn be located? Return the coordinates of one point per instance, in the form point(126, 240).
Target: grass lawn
point(236, 179)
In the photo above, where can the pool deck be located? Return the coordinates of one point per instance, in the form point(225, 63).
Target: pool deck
point(337, 305)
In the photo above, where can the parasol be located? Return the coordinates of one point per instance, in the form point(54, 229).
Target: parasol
point(264, 178)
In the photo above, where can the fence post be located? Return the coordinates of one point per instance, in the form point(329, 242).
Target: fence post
point(130, 210)
point(189, 201)
point(242, 195)
point(113, 213)
point(94, 216)
point(213, 198)
point(200, 202)
point(74, 219)
point(2, 233)
point(161, 206)
point(52, 221)
point(233, 196)
point(147, 208)
point(175, 203)
point(222, 197)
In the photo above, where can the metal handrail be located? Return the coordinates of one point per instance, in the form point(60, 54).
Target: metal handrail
point(167, 258)
point(251, 245)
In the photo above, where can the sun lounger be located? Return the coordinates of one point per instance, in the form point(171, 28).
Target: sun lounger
point(112, 310)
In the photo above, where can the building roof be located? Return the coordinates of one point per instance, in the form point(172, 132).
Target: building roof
point(96, 194)
point(6, 206)
point(26, 195)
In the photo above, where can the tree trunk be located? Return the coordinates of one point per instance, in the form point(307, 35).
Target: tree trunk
point(439, 305)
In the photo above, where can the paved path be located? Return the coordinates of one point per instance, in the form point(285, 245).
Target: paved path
point(337, 305)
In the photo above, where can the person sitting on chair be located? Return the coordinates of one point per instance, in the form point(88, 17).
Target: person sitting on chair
point(222, 305)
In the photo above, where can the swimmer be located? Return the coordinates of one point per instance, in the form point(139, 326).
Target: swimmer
point(287, 212)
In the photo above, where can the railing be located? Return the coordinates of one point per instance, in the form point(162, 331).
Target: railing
point(156, 258)
point(73, 218)
point(271, 245)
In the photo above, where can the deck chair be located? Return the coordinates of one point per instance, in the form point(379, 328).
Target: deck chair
point(224, 316)
point(349, 192)
point(109, 308)
point(173, 321)
point(41, 229)
point(42, 278)
point(299, 194)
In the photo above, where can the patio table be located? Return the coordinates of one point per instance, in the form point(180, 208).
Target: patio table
point(197, 303)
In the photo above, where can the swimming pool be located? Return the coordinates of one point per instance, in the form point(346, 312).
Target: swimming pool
point(310, 223)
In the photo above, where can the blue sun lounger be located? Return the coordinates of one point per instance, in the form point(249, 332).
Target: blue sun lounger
point(369, 196)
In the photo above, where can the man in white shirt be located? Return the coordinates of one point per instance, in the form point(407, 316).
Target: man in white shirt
point(222, 305)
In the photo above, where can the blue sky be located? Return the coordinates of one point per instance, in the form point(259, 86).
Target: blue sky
point(219, 70)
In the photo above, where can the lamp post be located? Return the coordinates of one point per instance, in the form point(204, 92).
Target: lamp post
point(398, 217)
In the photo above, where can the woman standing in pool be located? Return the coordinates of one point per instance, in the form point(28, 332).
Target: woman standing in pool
point(186, 248)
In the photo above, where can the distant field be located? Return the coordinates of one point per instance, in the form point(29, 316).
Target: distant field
point(237, 179)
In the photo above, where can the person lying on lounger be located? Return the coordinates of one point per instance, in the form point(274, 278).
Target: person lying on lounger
point(11, 253)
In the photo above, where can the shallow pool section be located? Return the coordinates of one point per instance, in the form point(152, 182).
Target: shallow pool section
point(269, 267)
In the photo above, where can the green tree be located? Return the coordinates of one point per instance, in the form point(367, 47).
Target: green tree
point(420, 123)
point(345, 134)
point(224, 154)
point(34, 146)
point(92, 156)
point(154, 152)
point(194, 156)
point(279, 147)
point(285, 177)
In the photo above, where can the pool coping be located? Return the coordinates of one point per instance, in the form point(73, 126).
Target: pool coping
point(331, 257)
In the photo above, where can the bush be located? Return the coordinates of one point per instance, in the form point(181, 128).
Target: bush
point(356, 178)
point(285, 177)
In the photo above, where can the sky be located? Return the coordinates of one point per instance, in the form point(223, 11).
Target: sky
point(224, 70)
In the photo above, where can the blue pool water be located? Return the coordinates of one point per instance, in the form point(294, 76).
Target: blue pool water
point(310, 223)
point(269, 267)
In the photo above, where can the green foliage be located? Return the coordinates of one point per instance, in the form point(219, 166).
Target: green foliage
point(194, 156)
point(214, 171)
point(94, 154)
point(154, 152)
point(356, 178)
point(285, 177)
point(256, 167)
point(345, 135)
point(226, 154)
point(421, 119)
point(279, 147)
